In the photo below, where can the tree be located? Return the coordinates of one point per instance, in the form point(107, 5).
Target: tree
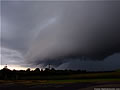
point(47, 69)
point(28, 70)
point(37, 70)
point(52, 69)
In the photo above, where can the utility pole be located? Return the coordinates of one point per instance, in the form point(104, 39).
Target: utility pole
point(49, 66)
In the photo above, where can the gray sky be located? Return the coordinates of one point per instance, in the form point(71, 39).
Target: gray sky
point(61, 33)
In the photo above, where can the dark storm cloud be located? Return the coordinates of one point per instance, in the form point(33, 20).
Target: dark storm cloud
point(90, 29)
point(58, 32)
point(107, 64)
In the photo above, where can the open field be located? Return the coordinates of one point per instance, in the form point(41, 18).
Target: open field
point(58, 84)
point(83, 81)
point(52, 76)
point(84, 76)
point(37, 82)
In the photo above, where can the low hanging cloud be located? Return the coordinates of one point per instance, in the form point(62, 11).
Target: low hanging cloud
point(110, 63)
point(89, 29)
point(9, 56)
point(61, 32)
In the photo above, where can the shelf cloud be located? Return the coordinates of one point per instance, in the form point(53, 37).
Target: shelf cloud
point(61, 32)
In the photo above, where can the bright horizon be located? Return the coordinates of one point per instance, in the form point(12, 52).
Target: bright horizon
point(16, 67)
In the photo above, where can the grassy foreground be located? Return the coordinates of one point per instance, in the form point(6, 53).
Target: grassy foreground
point(37, 82)
point(33, 78)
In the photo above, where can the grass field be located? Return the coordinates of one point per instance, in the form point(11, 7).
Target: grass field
point(35, 82)
point(83, 81)
point(82, 76)
point(72, 78)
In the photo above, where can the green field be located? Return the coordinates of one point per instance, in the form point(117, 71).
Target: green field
point(82, 76)
point(72, 78)
point(35, 82)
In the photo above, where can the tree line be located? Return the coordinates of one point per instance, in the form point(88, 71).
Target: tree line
point(7, 74)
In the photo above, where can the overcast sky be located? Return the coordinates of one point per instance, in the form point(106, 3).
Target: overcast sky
point(63, 34)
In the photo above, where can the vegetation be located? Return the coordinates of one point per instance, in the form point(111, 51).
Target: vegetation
point(52, 74)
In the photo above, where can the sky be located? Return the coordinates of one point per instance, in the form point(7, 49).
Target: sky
point(65, 34)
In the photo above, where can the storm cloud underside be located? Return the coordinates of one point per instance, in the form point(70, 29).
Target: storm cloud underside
point(61, 32)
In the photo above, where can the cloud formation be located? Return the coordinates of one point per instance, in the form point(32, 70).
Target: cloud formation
point(89, 29)
point(110, 63)
point(9, 56)
point(60, 32)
